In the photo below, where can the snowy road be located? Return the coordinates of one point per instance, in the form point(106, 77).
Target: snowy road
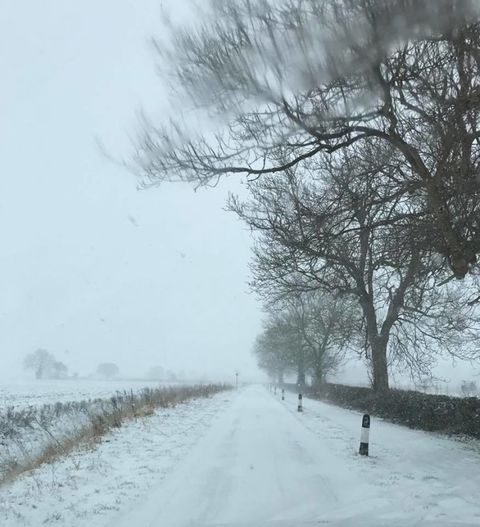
point(261, 463)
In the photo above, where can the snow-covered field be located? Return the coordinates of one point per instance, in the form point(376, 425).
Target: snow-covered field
point(246, 458)
point(33, 392)
point(32, 425)
point(92, 486)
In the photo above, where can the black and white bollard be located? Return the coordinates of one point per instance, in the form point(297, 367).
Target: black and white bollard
point(283, 394)
point(364, 436)
point(300, 408)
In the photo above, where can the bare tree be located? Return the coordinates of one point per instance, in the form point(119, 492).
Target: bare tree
point(328, 326)
point(277, 349)
point(306, 334)
point(331, 230)
point(109, 370)
point(59, 370)
point(313, 76)
point(41, 362)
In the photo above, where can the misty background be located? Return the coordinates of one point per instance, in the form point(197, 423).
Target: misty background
point(93, 269)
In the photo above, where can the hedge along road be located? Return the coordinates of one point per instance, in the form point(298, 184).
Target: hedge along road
point(262, 463)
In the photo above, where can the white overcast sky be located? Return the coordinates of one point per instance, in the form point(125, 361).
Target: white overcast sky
point(91, 268)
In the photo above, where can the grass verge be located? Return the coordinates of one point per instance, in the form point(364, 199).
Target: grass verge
point(33, 436)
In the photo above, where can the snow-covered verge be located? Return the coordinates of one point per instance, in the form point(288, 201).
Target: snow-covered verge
point(412, 477)
point(87, 487)
point(35, 434)
point(458, 416)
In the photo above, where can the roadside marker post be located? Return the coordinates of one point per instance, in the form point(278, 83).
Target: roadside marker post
point(300, 407)
point(275, 390)
point(283, 394)
point(364, 437)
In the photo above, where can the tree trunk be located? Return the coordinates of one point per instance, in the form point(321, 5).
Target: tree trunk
point(318, 370)
point(301, 377)
point(379, 364)
point(301, 368)
point(319, 377)
point(378, 344)
point(280, 379)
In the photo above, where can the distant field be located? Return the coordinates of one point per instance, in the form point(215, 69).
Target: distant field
point(33, 393)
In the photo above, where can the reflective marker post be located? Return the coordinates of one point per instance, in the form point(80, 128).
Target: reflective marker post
point(364, 435)
point(283, 394)
point(275, 390)
point(300, 408)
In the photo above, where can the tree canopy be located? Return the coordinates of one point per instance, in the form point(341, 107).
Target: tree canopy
point(297, 78)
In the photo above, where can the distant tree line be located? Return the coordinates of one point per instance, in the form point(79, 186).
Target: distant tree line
point(108, 370)
point(157, 373)
point(45, 365)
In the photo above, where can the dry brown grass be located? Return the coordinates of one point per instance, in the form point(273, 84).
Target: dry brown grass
point(104, 415)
